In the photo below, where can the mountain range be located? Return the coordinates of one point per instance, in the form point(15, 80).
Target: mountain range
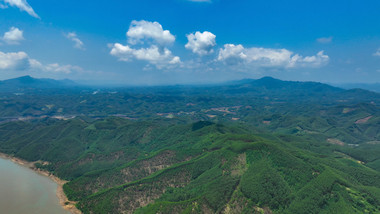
point(369, 86)
point(248, 146)
point(26, 83)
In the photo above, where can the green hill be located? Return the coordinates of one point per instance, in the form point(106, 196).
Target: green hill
point(249, 146)
point(116, 165)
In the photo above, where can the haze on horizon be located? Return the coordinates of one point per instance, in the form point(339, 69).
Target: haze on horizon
point(190, 41)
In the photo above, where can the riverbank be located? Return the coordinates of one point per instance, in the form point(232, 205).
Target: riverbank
point(64, 202)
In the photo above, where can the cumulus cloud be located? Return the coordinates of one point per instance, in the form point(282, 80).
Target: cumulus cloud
point(22, 5)
point(149, 41)
point(140, 31)
point(53, 67)
point(201, 43)
point(57, 68)
point(154, 40)
point(377, 53)
point(317, 60)
point(325, 40)
point(153, 54)
point(20, 61)
point(13, 36)
point(14, 61)
point(77, 42)
point(266, 57)
point(232, 54)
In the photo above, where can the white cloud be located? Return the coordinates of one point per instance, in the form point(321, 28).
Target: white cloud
point(57, 68)
point(155, 56)
point(317, 60)
point(20, 61)
point(77, 42)
point(266, 57)
point(148, 41)
point(325, 40)
point(201, 43)
point(22, 5)
point(53, 67)
point(154, 40)
point(377, 53)
point(13, 36)
point(232, 54)
point(14, 61)
point(140, 31)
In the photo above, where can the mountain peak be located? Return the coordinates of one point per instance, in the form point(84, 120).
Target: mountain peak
point(24, 79)
point(268, 78)
point(28, 82)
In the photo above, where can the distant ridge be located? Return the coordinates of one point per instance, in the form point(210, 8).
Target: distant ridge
point(272, 85)
point(371, 86)
point(29, 83)
point(263, 87)
point(270, 82)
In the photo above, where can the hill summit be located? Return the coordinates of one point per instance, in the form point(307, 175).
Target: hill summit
point(29, 83)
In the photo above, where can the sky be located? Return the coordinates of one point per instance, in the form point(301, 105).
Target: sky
point(150, 42)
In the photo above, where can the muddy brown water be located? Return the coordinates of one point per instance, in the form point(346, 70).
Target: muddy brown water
point(22, 190)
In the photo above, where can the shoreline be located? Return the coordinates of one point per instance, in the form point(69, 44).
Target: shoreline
point(63, 201)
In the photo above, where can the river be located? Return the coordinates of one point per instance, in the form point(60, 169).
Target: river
point(24, 191)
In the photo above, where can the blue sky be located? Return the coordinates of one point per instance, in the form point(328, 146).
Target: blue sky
point(181, 41)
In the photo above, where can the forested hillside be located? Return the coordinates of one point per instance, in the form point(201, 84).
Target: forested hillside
point(251, 146)
point(115, 165)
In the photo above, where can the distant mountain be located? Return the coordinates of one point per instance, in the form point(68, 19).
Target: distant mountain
point(279, 90)
point(29, 83)
point(371, 87)
point(270, 83)
point(266, 89)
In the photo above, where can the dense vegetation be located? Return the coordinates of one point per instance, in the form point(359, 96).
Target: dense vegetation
point(252, 146)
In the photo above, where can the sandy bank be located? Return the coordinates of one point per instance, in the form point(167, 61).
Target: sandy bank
point(65, 203)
